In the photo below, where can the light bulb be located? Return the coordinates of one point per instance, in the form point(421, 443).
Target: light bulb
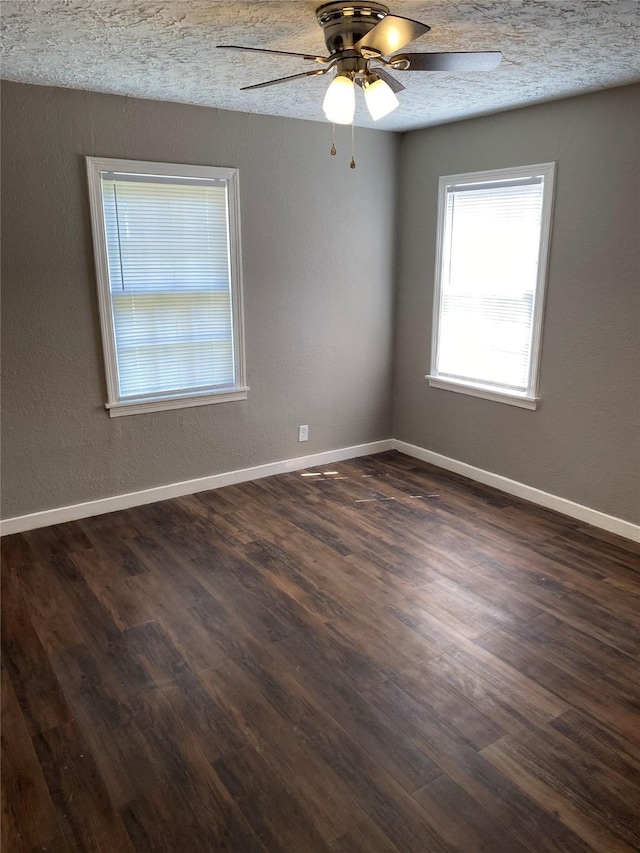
point(380, 99)
point(340, 101)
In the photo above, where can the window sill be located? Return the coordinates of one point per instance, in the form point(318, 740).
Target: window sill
point(140, 407)
point(522, 401)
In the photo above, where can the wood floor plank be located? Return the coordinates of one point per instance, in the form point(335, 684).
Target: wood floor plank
point(288, 574)
point(184, 733)
point(583, 547)
point(598, 804)
point(239, 607)
point(469, 614)
point(526, 695)
point(508, 594)
point(434, 629)
point(125, 607)
point(171, 819)
point(539, 830)
point(102, 710)
point(14, 552)
point(388, 746)
point(55, 844)
point(448, 710)
point(393, 811)
point(28, 814)
point(116, 552)
point(565, 685)
point(462, 821)
point(512, 710)
point(214, 525)
point(49, 607)
point(190, 638)
point(191, 716)
point(51, 552)
point(583, 655)
point(119, 524)
point(377, 656)
point(320, 791)
point(367, 784)
point(601, 742)
point(88, 818)
point(269, 806)
point(231, 578)
point(102, 636)
point(612, 625)
point(34, 681)
point(349, 580)
point(366, 836)
point(389, 642)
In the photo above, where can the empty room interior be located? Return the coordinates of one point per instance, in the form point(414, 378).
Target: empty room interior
point(320, 426)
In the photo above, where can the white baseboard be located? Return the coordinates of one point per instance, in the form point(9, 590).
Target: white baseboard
point(512, 487)
point(59, 515)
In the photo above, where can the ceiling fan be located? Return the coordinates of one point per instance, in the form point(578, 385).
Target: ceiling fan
point(363, 41)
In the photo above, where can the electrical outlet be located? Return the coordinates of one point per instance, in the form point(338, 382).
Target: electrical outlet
point(303, 432)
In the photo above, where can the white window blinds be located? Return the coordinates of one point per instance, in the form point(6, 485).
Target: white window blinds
point(165, 254)
point(168, 253)
point(490, 275)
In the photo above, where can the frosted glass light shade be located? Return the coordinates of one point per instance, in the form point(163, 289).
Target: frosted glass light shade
point(380, 99)
point(340, 101)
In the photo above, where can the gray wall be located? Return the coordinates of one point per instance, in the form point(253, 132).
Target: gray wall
point(318, 276)
point(318, 298)
point(583, 442)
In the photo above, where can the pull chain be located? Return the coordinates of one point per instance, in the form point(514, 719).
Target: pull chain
point(333, 140)
point(352, 164)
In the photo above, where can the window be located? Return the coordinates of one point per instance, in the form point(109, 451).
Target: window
point(167, 248)
point(492, 246)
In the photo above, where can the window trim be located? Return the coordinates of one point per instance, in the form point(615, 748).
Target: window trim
point(528, 399)
point(115, 405)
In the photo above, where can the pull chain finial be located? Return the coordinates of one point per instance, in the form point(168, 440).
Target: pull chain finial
point(352, 164)
point(333, 151)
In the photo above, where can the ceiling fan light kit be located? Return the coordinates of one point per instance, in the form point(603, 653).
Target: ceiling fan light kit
point(339, 103)
point(363, 40)
point(379, 97)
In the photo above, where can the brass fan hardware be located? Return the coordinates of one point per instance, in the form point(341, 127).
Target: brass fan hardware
point(364, 42)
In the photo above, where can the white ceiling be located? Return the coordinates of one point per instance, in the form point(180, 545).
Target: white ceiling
point(165, 49)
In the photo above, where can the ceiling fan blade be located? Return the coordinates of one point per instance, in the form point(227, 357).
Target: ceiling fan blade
point(313, 73)
point(277, 52)
point(391, 82)
point(391, 34)
point(453, 62)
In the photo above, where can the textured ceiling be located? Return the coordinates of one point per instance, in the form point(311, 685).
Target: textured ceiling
point(165, 49)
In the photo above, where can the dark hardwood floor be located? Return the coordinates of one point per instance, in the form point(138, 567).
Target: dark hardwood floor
point(375, 656)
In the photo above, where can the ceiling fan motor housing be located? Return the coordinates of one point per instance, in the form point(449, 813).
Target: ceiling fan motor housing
point(359, 35)
point(345, 24)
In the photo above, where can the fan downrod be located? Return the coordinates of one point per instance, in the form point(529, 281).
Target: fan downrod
point(344, 24)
